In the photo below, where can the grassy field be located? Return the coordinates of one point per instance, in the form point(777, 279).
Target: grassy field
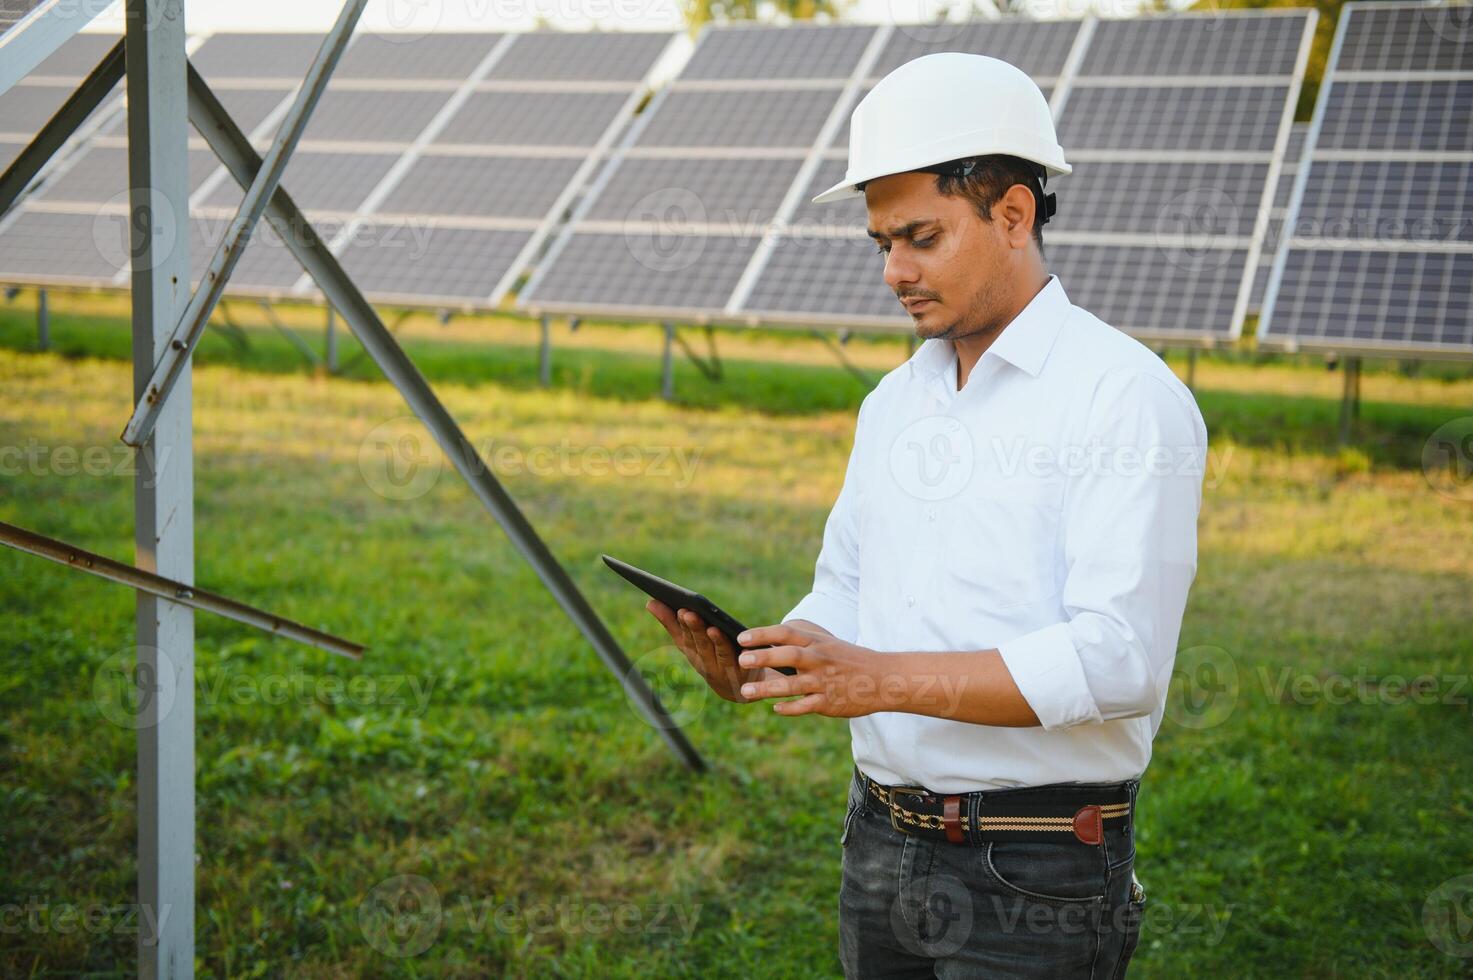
point(1312, 785)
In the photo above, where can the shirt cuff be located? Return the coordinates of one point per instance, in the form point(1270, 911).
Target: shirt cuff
point(1046, 668)
point(838, 618)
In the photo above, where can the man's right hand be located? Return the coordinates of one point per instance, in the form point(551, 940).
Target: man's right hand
point(709, 651)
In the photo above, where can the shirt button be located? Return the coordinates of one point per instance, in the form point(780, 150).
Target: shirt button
point(910, 600)
point(930, 514)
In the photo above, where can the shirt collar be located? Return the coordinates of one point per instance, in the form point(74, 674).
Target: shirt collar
point(1025, 342)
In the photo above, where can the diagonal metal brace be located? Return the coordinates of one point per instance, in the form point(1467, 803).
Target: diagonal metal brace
point(115, 571)
point(60, 127)
point(240, 158)
point(196, 315)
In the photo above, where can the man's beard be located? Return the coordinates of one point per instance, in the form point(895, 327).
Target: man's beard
point(974, 323)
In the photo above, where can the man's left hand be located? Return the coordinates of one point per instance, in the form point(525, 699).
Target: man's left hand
point(834, 678)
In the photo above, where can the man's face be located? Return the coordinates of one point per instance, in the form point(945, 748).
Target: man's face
point(942, 260)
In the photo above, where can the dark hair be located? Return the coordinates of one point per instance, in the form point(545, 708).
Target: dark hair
point(988, 181)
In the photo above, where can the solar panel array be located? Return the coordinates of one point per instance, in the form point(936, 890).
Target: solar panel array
point(436, 165)
point(677, 215)
point(1278, 214)
point(1158, 225)
point(1380, 258)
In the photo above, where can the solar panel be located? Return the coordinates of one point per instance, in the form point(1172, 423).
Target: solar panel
point(489, 186)
point(730, 191)
point(430, 263)
point(1380, 249)
point(759, 53)
point(319, 181)
point(644, 272)
point(736, 117)
point(418, 57)
point(372, 116)
point(256, 56)
point(534, 118)
point(1040, 48)
point(497, 162)
point(1176, 127)
point(59, 249)
point(674, 219)
point(594, 56)
point(1277, 214)
point(101, 175)
point(1172, 123)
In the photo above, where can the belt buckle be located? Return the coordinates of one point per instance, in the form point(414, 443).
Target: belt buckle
point(895, 807)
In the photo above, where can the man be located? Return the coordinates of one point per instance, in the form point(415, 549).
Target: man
point(1000, 589)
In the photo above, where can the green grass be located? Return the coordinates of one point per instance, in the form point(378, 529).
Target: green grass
point(487, 750)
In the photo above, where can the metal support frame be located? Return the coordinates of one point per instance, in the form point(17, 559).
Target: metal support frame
point(710, 366)
point(191, 325)
point(43, 321)
point(544, 354)
point(92, 563)
point(295, 339)
point(244, 163)
point(158, 178)
point(330, 340)
point(1349, 398)
point(864, 377)
point(100, 81)
point(667, 363)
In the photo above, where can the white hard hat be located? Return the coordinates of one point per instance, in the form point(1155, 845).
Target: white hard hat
point(944, 107)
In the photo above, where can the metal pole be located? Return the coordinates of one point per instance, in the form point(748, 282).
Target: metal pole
point(236, 153)
point(158, 176)
point(191, 325)
point(43, 321)
point(544, 354)
point(667, 364)
point(1348, 383)
point(123, 574)
point(330, 341)
point(60, 127)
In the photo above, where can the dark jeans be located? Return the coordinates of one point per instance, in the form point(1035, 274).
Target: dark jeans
point(915, 907)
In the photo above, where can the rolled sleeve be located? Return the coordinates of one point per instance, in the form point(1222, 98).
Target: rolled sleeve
point(1130, 553)
point(1050, 676)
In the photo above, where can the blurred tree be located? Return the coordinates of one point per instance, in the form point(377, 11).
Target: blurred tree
point(698, 12)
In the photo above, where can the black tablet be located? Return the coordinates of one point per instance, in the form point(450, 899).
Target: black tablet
point(678, 597)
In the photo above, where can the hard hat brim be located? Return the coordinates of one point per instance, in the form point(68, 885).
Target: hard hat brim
point(846, 188)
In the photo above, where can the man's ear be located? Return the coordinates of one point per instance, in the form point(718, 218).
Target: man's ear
point(1013, 213)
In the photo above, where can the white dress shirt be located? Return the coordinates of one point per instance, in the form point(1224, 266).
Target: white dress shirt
point(1048, 510)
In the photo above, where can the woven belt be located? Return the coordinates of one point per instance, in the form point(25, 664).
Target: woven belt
point(1059, 812)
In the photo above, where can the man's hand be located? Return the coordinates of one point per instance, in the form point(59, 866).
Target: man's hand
point(708, 651)
point(834, 678)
